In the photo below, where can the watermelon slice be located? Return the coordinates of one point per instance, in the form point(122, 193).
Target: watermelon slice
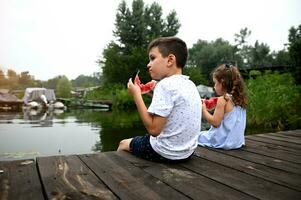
point(211, 103)
point(147, 87)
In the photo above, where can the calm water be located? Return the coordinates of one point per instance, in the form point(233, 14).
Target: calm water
point(31, 134)
point(27, 135)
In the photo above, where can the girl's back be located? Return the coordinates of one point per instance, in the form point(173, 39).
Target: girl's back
point(228, 122)
point(230, 133)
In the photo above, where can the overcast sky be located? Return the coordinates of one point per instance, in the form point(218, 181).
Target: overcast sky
point(66, 37)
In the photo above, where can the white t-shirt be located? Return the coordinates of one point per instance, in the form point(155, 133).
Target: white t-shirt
point(177, 99)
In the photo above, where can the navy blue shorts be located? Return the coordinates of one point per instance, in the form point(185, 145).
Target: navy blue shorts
point(140, 146)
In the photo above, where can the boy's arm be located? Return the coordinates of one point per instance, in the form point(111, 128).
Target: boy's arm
point(152, 123)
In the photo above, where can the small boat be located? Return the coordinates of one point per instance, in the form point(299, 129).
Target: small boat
point(41, 98)
point(57, 105)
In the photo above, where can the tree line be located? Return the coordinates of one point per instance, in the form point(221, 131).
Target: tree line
point(139, 24)
point(61, 84)
point(135, 27)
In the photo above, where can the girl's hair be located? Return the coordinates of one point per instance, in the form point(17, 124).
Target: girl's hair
point(232, 82)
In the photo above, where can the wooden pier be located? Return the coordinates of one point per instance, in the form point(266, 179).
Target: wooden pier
point(268, 167)
point(11, 105)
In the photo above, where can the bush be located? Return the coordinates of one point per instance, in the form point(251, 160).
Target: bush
point(123, 101)
point(63, 87)
point(106, 92)
point(274, 102)
point(118, 94)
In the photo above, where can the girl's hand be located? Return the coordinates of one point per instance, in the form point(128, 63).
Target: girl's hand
point(204, 107)
point(133, 89)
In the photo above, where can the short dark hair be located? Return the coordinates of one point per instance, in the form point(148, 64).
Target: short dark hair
point(171, 45)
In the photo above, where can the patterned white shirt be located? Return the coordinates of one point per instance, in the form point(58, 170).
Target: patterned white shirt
point(177, 99)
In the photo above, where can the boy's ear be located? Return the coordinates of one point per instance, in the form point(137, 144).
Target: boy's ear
point(171, 59)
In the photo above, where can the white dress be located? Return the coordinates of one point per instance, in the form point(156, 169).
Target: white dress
point(230, 133)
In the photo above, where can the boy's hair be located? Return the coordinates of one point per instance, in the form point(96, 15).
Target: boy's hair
point(232, 82)
point(171, 45)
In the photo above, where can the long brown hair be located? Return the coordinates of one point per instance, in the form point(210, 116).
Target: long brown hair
point(232, 82)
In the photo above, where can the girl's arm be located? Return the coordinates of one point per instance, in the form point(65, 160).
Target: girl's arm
point(153, 123)
point(218, 115)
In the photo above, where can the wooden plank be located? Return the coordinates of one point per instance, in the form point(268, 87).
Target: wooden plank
point(283, 135)
point(271, 151)
point(281, 177)
point(126, 180)
point(19, 180)
point(190, 183)
point(291, 140)
point(264, 160)
point(66, 177)
point(294, 147)
point(294, 133)
point(273, 144)
point(249, 184)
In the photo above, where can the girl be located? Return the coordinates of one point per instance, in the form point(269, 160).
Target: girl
point(228, 121)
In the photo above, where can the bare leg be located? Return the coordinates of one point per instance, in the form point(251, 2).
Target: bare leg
point(124, 145)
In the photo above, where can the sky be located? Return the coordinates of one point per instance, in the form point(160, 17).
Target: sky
point(65, 37)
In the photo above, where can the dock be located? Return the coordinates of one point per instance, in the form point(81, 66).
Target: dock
point(11, 105)
point(267, 167)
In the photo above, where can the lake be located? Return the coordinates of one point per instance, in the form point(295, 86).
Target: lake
point(31, 134)
point(74, 131)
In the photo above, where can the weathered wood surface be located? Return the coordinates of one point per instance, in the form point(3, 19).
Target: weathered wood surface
point(268, 167)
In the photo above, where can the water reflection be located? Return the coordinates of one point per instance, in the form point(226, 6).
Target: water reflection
point(29, 134)
point(115, 126)
point(38, 119)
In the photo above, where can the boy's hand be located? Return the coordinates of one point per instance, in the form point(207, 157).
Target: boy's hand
point(133, 89)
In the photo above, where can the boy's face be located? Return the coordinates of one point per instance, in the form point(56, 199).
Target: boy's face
point(157, 66)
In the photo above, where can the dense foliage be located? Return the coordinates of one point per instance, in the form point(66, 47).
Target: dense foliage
point(135, 28)
point(274, 102)
point(11, 80)
point(207, 55)
point(87, 81)
point(294, 48)
point(63, 87)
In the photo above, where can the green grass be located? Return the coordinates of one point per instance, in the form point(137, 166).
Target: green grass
point(274, 102)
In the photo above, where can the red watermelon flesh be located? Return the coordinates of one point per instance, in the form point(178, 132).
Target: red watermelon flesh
point(147, 87)
point(211, 103)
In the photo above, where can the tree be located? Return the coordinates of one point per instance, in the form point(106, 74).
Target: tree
point(195, 75)
point(260, 55)
point(242, 47)
point(134, 29)
point(172, 26)
point(294, 49)
point(281, 57)
point(86, 81)
point(12, 78)
point(3, 80)
point(63, 87)
point(207, 55)
point(25, 79)
point(52, 83)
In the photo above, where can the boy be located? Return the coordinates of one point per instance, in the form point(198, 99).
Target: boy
point(173, 119)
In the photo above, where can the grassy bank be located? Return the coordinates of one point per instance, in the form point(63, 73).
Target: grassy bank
point(274, 102)
point(119, 95)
